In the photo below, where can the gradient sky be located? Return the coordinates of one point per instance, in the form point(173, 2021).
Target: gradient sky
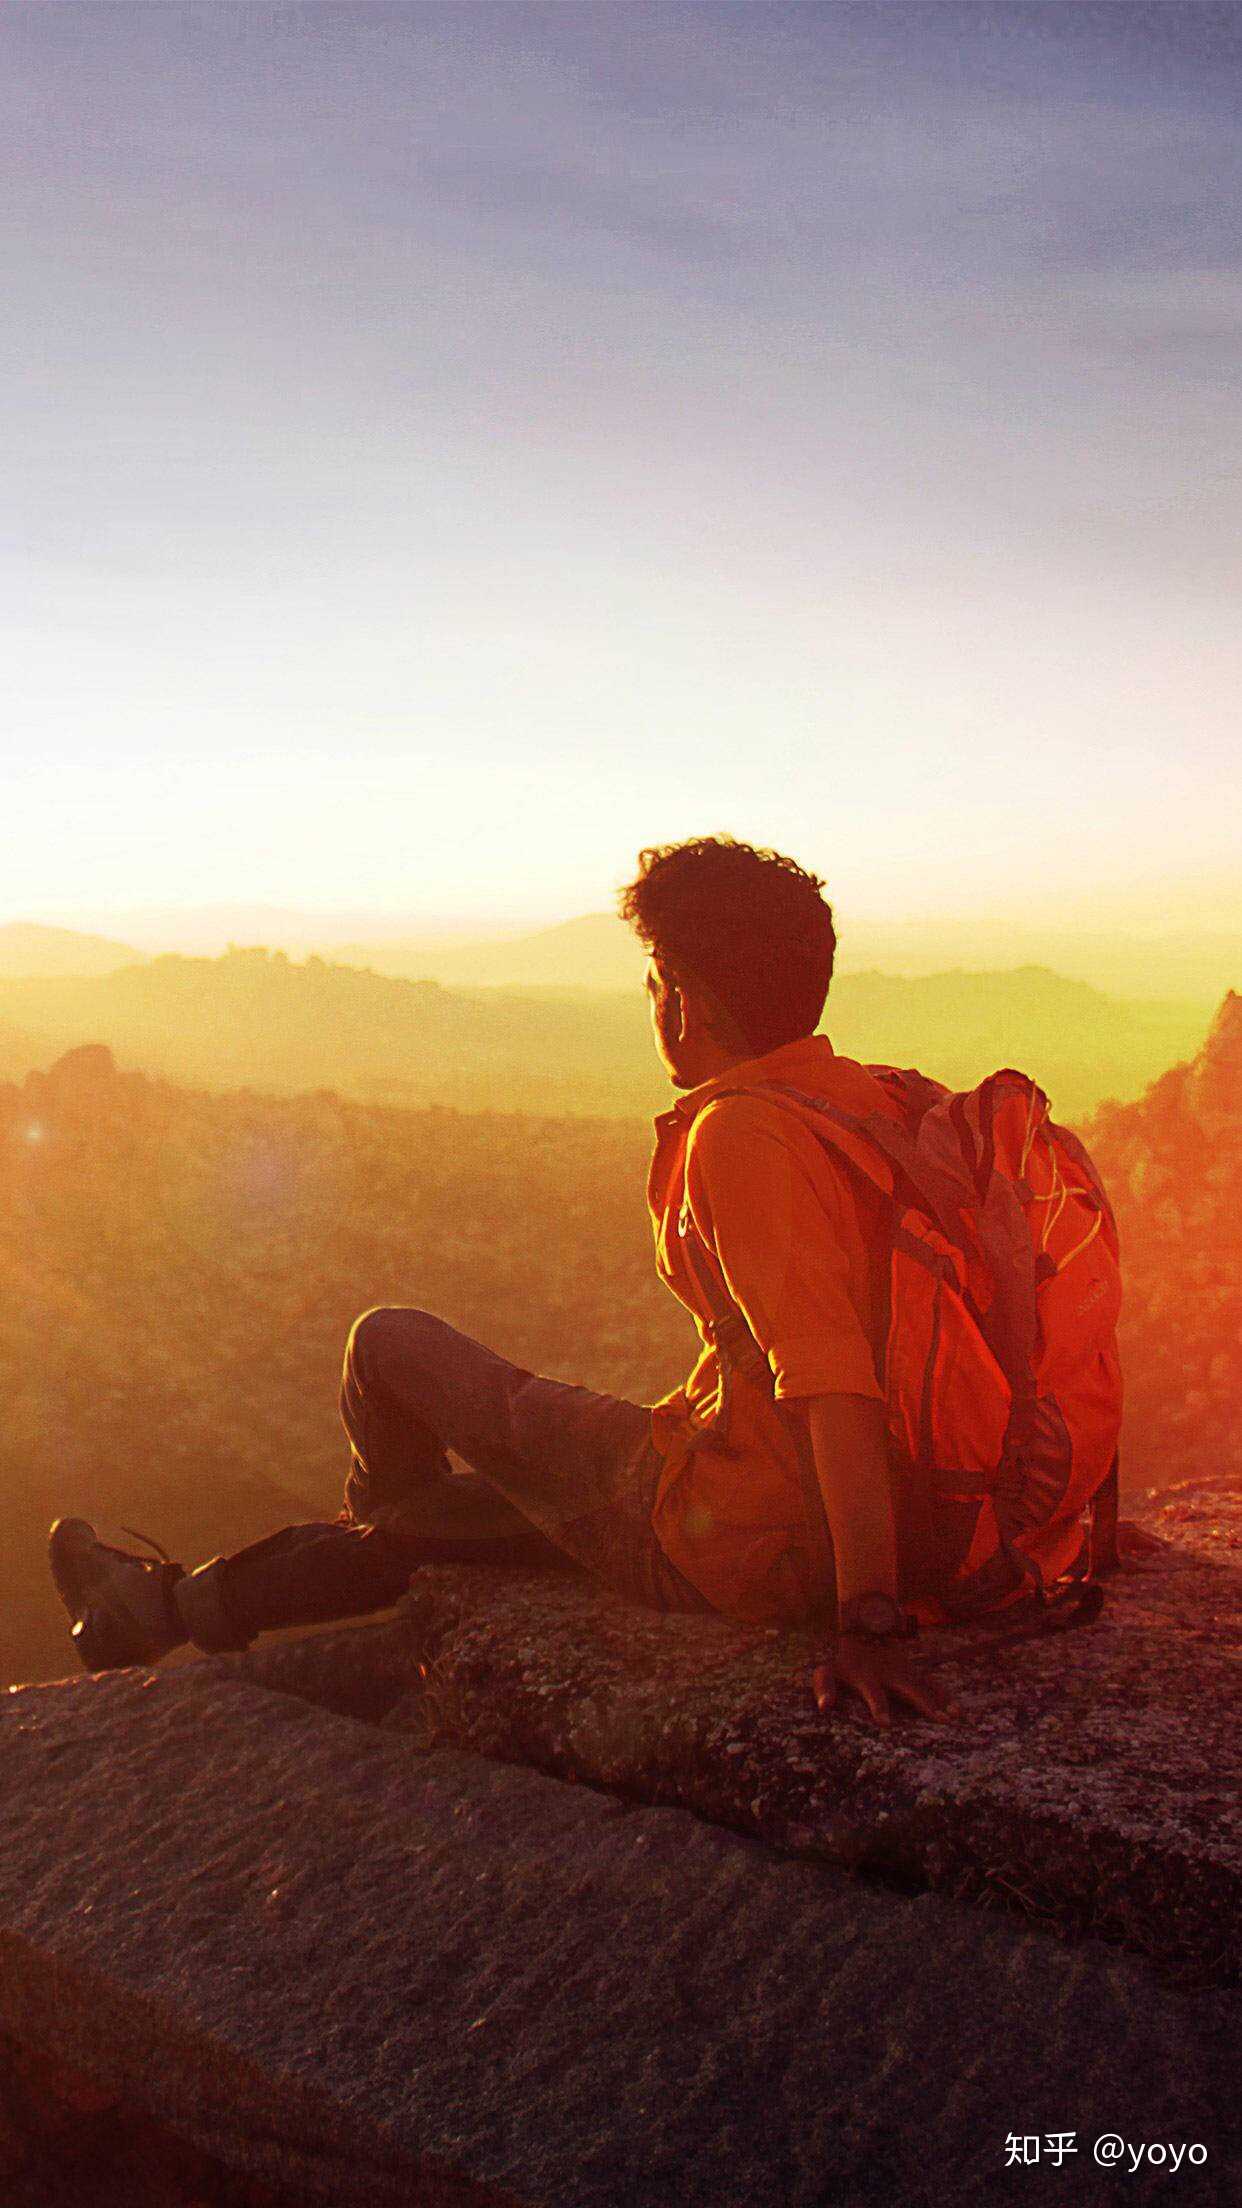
point(446, 446)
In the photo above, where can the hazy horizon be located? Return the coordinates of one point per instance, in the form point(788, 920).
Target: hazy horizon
point(1142, 904)
point(1180, 939)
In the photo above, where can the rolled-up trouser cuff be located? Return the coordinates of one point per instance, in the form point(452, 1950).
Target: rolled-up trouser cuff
point(199, 1599)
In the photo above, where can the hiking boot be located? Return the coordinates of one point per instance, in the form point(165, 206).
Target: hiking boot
point(121, 1605)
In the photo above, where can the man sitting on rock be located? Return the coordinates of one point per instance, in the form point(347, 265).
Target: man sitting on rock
point(760, 1489)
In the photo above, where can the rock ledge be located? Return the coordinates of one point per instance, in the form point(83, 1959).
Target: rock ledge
point(1097, 1787)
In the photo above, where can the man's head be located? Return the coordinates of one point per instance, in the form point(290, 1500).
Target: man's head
point(741, 946)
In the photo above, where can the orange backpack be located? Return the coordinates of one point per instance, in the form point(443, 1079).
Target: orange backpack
point(997, 1346)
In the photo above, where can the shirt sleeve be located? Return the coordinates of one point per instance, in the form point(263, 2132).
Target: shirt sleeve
point(777, 1237)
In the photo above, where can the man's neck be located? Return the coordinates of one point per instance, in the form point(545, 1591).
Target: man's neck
point(710, 1061)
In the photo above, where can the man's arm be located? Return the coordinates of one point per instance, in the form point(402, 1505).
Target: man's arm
point(849, 1445)
point(786, 1267)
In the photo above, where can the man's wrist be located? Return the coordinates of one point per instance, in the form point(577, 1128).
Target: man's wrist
point(875, 1616)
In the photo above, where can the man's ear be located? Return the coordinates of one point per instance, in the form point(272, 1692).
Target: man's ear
point(671, 1003)
point(709, 1016)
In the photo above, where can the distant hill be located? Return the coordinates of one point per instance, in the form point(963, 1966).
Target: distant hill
point(18, 1052)
point(257, 1019)
point(1193, 955)
point(204, 931)
point(30, 951)
point(1183, 963)
point(597, 951)
point(1078, 1043)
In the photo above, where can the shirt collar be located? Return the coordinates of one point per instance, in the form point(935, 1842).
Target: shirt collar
point(803, 1062)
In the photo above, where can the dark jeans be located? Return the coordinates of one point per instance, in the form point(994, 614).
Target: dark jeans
point(561, 1477)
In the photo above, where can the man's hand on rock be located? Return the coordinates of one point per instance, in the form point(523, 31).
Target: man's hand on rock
point(1135, 1544)
point(880, 1673)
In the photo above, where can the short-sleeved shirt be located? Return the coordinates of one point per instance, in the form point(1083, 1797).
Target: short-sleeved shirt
point(796, 1244)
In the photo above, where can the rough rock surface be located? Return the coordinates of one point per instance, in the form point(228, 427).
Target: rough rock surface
point(1095, 1786)
point(396, 1975)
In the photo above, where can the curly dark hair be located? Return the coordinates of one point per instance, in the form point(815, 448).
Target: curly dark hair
point(750, 924)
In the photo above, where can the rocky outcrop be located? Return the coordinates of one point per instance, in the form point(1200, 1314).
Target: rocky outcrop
point(1172, 1161)
point(1093, 1787)
point(83, 1083)
point(1215, 1082)
point(278, 1918)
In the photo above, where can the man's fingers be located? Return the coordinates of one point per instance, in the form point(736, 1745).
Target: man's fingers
point(1136, 1538)
point(929, 1700)
point(873, 1690)
point(1134, 1544)
point(875, 1698)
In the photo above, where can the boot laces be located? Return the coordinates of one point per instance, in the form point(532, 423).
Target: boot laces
point(147, 1541)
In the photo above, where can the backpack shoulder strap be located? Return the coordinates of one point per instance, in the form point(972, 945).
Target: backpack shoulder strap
point(887, 1153)
point(851, 1135)
point(945, 1158)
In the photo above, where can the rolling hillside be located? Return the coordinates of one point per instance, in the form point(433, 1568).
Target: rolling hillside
point(1191, 963)
point(29, 951)
point(257, 1019)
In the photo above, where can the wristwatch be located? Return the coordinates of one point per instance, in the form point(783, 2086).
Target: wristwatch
point(876, 1617)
